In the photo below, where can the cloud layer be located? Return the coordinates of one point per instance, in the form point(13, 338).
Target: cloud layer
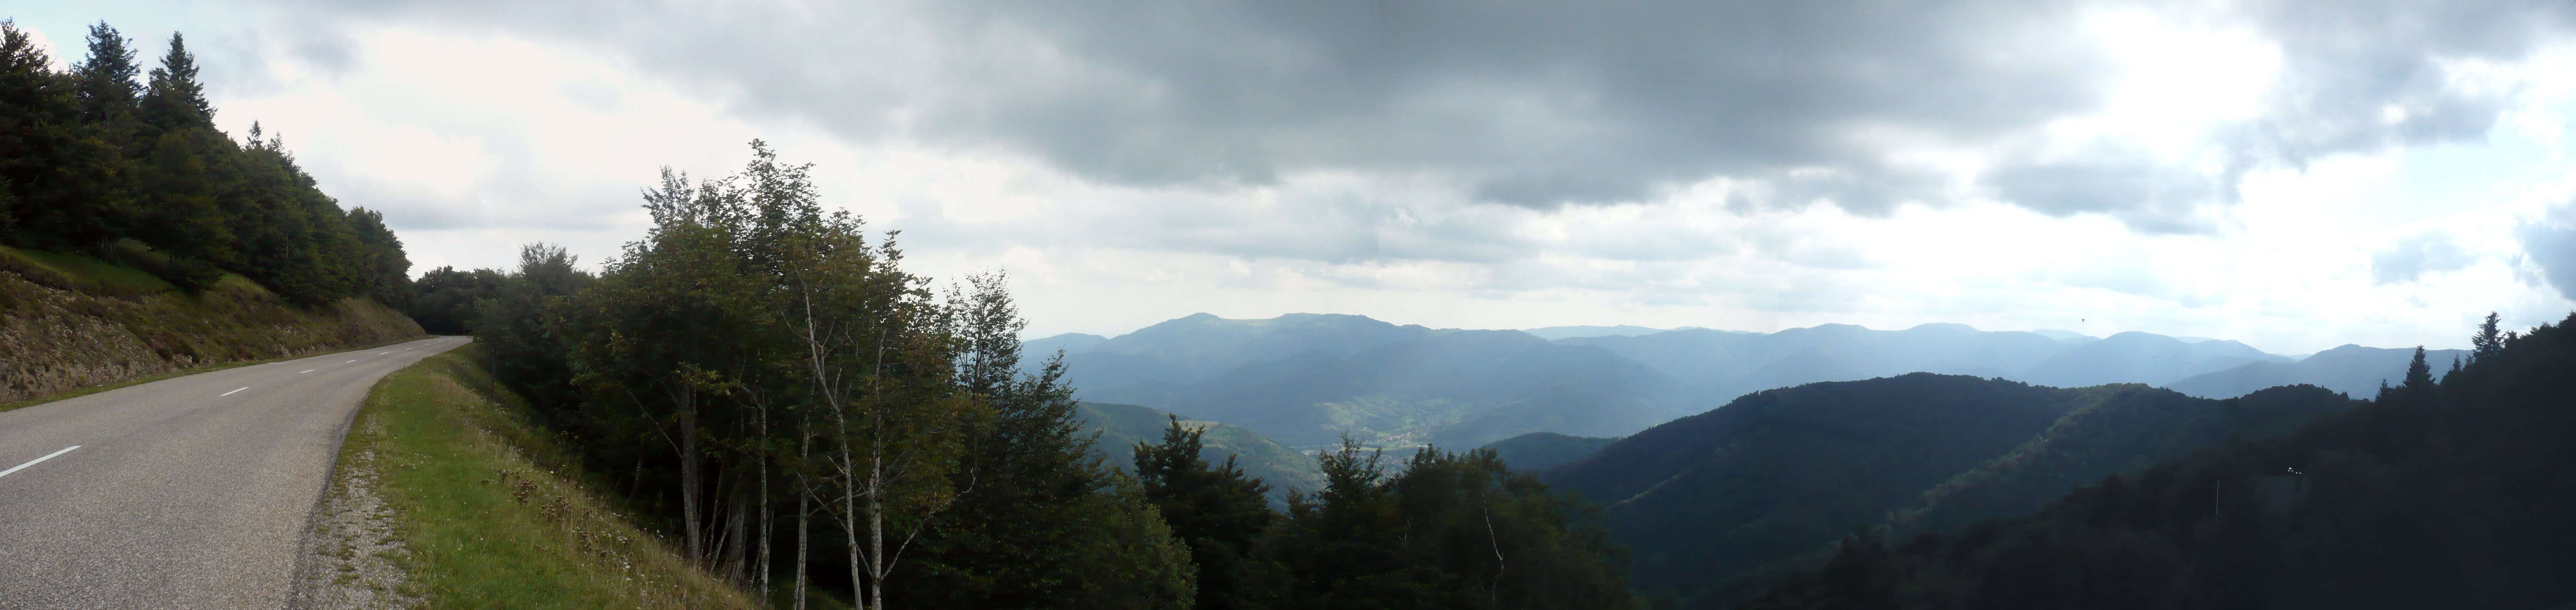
point(2191, 168)
point(1865, 105)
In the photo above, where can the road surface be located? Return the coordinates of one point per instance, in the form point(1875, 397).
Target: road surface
point(190, 492)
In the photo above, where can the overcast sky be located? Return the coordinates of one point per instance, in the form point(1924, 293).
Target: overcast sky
point(2295, 175)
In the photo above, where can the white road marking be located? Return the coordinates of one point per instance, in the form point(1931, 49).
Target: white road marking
point(237, 391)
point(305, 371)
point(48, 456)
point(348, 362)
point(382, 353)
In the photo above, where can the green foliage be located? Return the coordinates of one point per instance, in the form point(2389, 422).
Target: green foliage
point(2447, 494)
point(446, 298)
point(1123, 427)
point(1452, 530)
point(89, 158)
point(1214, 508)
point(768, 384)
point(84, 274)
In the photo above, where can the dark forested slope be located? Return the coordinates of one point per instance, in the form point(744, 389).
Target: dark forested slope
point(140, 240)
point(94, 161)
point(1538, 451)
point(2436, 494)
point(1716, 505)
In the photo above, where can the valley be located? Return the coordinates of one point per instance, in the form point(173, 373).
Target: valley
point(1304, 380)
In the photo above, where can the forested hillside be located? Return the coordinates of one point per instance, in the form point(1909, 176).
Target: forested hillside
point(109, 161)
point(806, 417)
point(1539, 451)
point(1122, 427)
point(2435, 494)
point(140, 240)
point(1717, 505)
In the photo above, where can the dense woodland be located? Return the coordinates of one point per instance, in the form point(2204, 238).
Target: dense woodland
point(808, 418)
point(1717, 506)
point(110, 161)
point(2436, 494)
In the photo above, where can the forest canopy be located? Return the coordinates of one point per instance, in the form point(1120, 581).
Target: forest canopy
point(109, 160)
point(767, 381)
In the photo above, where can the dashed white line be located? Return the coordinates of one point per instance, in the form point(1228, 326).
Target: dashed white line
point(306, 371)
point(348, 362)
point(237, 391)
point(48, 456)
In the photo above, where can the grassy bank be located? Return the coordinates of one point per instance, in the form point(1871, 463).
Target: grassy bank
point(481, 511)
point(70, 322)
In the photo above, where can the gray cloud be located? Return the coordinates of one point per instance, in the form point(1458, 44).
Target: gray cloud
point(2550, 242)
point(1544, 104)
point(2412, 257)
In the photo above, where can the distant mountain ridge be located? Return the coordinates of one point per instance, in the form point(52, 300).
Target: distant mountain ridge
point(1306, 379)
point(2350, 369)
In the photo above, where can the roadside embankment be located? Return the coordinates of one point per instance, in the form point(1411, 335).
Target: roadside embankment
point(445, 496)
point(70, 322)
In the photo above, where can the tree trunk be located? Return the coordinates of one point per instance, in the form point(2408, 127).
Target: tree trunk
point(738, 535)
point(768, 528)
point(694, 529)
point(804, 510)
point(876, 508)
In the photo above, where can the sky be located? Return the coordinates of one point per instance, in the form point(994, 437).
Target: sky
point(2296, 175)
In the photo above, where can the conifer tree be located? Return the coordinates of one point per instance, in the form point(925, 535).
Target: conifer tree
point(1214, 508)
point(2487, 340)
point(108, 90)
point(175, 100)
point(2419, 375)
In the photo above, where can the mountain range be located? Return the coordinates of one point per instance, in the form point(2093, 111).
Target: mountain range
point(1304, 380)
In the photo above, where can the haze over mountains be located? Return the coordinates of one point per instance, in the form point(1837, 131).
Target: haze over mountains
point(1303, 380)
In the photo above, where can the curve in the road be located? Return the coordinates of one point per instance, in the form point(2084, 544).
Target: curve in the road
point(190, 492)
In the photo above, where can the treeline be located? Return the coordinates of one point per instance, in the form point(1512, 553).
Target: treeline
point(2435, 494)
point(109, 161)
point(807, 418)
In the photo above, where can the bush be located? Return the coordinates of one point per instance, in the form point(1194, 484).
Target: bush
point(186, 273)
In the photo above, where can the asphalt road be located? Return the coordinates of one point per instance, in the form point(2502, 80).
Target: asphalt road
point(191, 492)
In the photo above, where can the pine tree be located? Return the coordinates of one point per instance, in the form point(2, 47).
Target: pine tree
point(1214, 508)
point(55, 181)
point(2419, 375)
point(175, 100)
point(108, 91)
point(2488, 340)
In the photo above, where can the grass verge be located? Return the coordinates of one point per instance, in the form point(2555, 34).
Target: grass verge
point(485, 512)
point(82, 273)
